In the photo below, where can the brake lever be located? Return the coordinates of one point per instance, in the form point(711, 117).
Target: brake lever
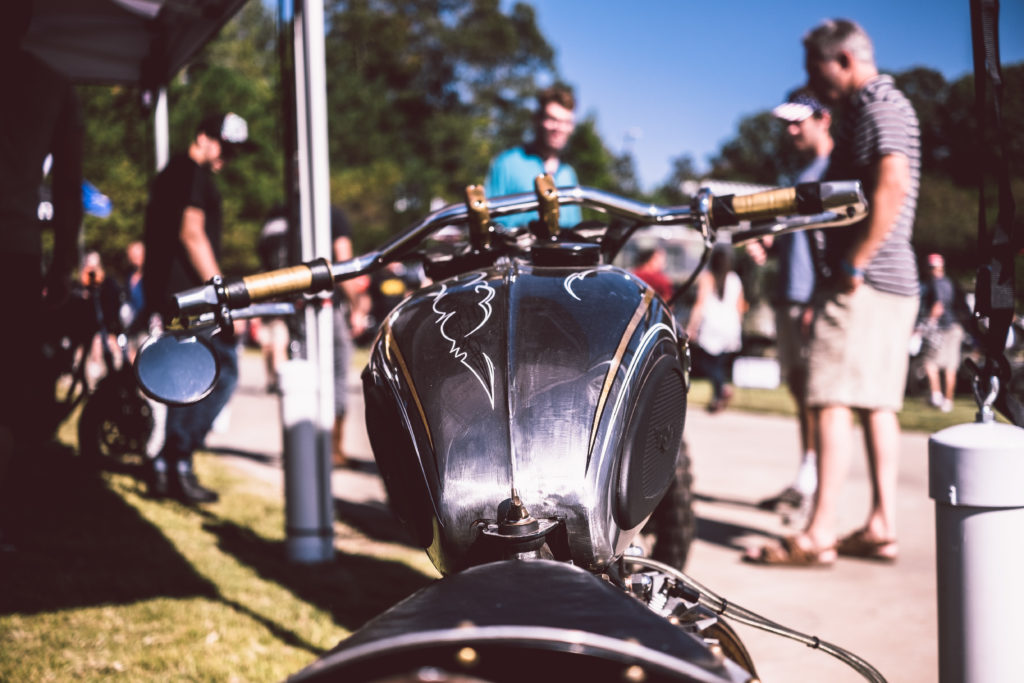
point(788, 224)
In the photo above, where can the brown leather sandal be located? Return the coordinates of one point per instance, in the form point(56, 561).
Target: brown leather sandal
point(789, 553)
point(859, 544)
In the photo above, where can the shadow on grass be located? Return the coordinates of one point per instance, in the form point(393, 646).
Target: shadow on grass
point(78, 544)
point(374, 520)
point(352, 588)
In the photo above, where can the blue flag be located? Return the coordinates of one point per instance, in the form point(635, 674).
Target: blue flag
point(95, 202)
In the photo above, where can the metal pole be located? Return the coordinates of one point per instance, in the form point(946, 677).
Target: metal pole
point(976, 477)
point(162, 153)
point(161, 130)
point(309, 533)
point(307, 385)
point(319, 165)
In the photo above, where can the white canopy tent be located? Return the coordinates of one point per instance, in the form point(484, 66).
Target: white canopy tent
point(128, 42)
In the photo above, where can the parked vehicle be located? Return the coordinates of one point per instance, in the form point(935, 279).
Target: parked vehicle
point(526, 412)
point(116, 421)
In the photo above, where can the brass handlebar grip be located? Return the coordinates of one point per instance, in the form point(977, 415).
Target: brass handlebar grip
point(766, 204)
point(307, 278)
point(730, 210)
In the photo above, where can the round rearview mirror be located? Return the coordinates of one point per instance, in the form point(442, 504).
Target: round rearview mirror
point(176, 369)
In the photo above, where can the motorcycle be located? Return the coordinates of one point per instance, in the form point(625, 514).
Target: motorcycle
point(526, 413)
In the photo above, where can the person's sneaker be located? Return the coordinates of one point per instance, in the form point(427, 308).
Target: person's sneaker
point(789, 497)
point(936, 400)
point(190, 491)
point(947, 406)
point(157, 479)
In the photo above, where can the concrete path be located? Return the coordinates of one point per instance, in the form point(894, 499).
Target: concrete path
point(886, 614)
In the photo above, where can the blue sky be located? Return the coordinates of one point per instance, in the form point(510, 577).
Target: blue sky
point(680, 74)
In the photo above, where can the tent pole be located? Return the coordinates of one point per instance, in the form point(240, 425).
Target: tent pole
point(161, 128)
point(307, 385)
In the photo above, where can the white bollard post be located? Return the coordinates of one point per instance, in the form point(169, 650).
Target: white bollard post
point(976, 477)
point(308, 503)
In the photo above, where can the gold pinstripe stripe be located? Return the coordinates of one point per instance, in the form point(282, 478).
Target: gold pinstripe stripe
point(392, 349)
point(613, 369)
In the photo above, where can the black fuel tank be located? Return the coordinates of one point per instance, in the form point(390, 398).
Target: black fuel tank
point(567, 385)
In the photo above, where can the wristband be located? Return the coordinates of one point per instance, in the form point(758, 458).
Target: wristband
point(850, 270)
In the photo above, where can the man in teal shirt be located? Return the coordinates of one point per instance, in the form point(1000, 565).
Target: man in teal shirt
point(513, 171)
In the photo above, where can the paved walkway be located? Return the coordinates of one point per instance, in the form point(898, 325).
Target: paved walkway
point(884, 614)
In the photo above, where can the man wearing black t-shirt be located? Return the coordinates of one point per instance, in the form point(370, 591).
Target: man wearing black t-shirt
point(183, 238)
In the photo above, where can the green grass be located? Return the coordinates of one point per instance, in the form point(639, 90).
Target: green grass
point(106, 582)
point(916, 416)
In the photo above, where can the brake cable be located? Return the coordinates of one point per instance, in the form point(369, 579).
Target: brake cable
point(742, 615)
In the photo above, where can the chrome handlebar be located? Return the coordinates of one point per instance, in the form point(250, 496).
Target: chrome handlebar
point(775, 212)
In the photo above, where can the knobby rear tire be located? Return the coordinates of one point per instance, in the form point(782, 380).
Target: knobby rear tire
point(674, 523)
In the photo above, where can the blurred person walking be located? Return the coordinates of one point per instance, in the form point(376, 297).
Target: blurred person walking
point(867, 302)
point(650, 267)
point(274, 336)
point(716, 323)
point(135, 255)
point(808, 123)
point(184, 223)
point(93, 295)
point(941, 333)
point(40, 119)
point(388, 287)
point(351, 307)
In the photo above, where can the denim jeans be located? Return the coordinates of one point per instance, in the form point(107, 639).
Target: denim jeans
point(717, 368)
point(187, 426)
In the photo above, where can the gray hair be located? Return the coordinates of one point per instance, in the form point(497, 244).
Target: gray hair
point(834, 35)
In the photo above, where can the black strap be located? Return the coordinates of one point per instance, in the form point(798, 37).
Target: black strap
point(997, 246)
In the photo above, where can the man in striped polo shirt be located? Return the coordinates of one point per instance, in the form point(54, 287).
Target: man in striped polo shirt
point(867, 297)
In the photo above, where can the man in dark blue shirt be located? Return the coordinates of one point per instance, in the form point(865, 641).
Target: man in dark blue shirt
point(808, 124)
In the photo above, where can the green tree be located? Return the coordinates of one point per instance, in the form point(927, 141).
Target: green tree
point(117, 150)
point(928, 92)
point(592, 160)
point(421, 95)
point(757, 154)
point(670, 193)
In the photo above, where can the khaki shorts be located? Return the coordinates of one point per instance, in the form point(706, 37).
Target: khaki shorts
point(858, 353)
point(944, 352)
point(790, 341)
